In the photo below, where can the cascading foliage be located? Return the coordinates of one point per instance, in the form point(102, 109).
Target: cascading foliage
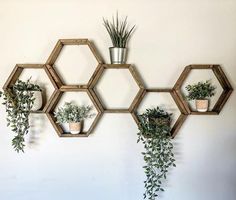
point(18, 100)
point(154, 133)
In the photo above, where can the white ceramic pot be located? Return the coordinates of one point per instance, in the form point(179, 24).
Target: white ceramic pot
point(75, 127)
point(38, 102)
point(202, 105)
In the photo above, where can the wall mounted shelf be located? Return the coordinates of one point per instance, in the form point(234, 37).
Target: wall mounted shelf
point(61, 88)
point(182, 117)
point(135, 77)
point(56, 98)
point(56, 53)
point(221, 77)
point(17, 71)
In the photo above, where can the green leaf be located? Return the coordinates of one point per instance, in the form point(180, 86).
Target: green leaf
point(154, 132)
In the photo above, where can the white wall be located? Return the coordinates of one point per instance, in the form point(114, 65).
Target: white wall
point(107, 165)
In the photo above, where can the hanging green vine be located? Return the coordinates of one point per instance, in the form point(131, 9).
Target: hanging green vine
point(18, 100)
point(154, 133)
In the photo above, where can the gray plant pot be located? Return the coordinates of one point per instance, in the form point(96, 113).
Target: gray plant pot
point(118, 55)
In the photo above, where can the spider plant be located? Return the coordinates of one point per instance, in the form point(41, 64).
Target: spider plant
point(119, 31)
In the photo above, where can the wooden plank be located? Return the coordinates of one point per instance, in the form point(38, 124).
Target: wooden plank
point(167, 90)
point(175, 129)
point(178, 102)
point(134, 115)
point(139, 97)
point(220, 75)
point(73, 88)
point(95, 52)
point(31, 66)
point(137, 100)
point(118, 110)
point(182, 77)
point(116, 66)
point(83, 41)
point(96, 75)
point(56, 126)
point(184, 103)
point(55, 53)
point(220, 78)
point(50, 101)
point(55, 76)
point(13, 77)
point(97, 100)
point(69, 135)
point(95, 122)
point(50, 77)
point(136, 76)
point(227, 83)
point(204, 113)
point(53, 101)
point(222, 100)
point(201, 66)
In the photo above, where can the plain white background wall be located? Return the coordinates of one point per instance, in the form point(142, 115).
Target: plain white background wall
point(170, 34)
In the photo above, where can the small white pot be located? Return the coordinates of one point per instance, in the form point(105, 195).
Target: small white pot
point(75, 127)
point(38, 102)
point(202, 105)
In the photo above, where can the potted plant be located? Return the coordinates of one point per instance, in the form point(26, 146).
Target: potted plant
point(74, 115)
point(200, 92)
point(119, 34)
point(154, 132)
point(19, 100)
point(38, 99)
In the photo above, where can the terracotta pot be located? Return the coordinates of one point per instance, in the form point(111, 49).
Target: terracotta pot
point(75, 127)
point(38, 102)
point(202, 105)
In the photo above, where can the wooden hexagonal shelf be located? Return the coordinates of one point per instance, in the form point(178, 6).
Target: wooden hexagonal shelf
point(55, 101)
point(136, 78)
point(56, 52)
point(15, 74)
point(221, 77)
point(182, 117)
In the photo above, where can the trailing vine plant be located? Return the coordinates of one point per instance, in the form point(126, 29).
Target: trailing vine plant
point(154, 133)
point(18, 100)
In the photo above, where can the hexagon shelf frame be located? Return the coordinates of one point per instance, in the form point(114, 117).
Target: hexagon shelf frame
point(15, 74)
point(54, 103)
point(221, 77)
point(135, 76)
point(182, 117)
point(61, 88)
point(56, 52)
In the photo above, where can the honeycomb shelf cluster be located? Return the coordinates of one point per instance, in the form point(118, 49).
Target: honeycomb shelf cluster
point(61, 88)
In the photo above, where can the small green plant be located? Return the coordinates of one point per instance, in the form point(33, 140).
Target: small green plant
point(73, 113)
point(200, 91)
point(18, 100)
point(118, 31)
point(154, 132)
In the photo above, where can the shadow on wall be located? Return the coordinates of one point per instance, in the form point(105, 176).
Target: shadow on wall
point(37, 127)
